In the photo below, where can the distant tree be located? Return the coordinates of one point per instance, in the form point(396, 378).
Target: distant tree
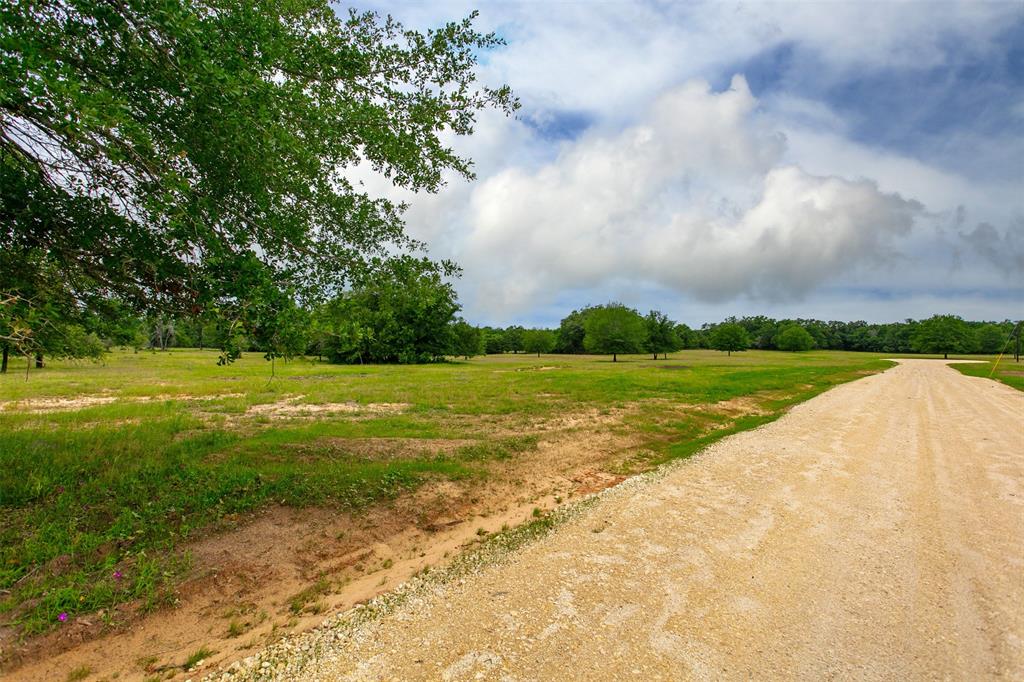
point(990, 338)
point(794, 338)
point(494, 340)
point(40, 315)
point(467, 340)
point(284, 334)
point(514, 338)
point(942, 334)
point(614, 329)
point(761, 330)
point(687, 337)
point(661, 334)
point(162, 332)
point(402, 313)
point(571, 332)
point(729, 337)
point(538, 341)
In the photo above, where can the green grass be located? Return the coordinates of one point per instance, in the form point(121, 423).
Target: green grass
point(97, 502)
point(1009, 372)
point(79, 673)
point(199, 654)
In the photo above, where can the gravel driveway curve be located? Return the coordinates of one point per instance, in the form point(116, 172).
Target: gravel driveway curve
point(874, 532)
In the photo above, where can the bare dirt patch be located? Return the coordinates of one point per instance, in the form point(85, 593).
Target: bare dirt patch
point(45, 405)
point(40, 405)
point(291, 407)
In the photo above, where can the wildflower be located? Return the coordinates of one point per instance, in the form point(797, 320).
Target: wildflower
point(118, 575)
point(63, 616)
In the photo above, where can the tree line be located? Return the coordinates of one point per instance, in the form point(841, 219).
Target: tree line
point(405, 310)
point(164, 181)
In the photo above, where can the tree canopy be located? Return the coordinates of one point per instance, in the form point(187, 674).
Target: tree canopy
point(538, 341)
point(613, 329)
point(401, 312)
point(794, 338)
point(991, 338)
point(467, 340)
point(730, 337)
point(661, 334)
point(195, 156)
point(942, 334)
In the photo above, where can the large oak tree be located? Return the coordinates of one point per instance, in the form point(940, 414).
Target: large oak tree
point(189, 156)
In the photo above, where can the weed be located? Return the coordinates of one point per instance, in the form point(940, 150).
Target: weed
point(146, 662)
point(79, 673)
point(311, 594)
point(199, 654)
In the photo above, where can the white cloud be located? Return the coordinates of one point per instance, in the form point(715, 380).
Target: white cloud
point(691, 198)
point(675, 190)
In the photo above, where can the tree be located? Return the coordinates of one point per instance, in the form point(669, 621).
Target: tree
point(399, 313)
point(467, 340)
point(661, 334)
point(569, 337)
point(687, 337)
point(942, 334)
point(188, 156)
point(538, 341)
point(991, 338)
point(514, 338)
point(494, 341)
point(39, 316)
point(729, 337)
point(613, 329)
point(794, 338)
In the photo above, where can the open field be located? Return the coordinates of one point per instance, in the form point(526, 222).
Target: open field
point(873, 532)
point(1007, 371)
point(122, 484)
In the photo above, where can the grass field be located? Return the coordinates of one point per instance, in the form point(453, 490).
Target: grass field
point(108, 470)
point(1007, 371)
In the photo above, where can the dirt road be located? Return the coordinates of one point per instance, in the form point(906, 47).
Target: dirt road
point(874, 532)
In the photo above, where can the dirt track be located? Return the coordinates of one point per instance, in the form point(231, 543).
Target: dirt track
point(876, 531)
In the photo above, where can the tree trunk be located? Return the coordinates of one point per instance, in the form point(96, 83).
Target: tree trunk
point(655, 356)
point(39, 360)
point(3, 362)
point(615, 357)
point(945, 356)
point(728, 353)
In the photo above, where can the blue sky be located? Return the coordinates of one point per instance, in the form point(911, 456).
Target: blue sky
point(832, 160)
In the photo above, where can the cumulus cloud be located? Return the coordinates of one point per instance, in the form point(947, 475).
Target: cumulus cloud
point(692, 198)
point(1003, 250)
point(831, 186)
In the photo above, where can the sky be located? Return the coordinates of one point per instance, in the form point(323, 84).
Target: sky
point(851, 161)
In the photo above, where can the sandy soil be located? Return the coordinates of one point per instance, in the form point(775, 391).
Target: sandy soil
point(874, 532)
point(251, 574)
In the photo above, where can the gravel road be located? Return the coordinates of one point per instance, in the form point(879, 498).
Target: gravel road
point(874, 532)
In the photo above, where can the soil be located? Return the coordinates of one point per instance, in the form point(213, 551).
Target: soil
point(282, 570)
